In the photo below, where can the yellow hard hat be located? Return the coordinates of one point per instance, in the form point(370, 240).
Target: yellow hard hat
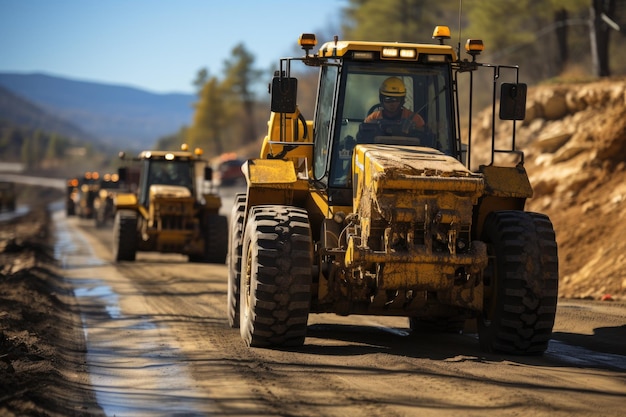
point(392, 87)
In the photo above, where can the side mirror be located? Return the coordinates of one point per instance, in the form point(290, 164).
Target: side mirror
point(284, 93)
point(208, 173)
point(513, 101)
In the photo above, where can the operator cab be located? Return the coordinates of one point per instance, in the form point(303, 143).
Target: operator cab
point(339, 129)
point(350, 88)
point(164, 170)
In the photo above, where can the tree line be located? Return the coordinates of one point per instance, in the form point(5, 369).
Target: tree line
point(548, 39)
point(40, 151)
point(224, 116)
point(32, 147)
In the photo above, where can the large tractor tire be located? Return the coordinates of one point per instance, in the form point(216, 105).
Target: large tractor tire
point(521, 283)
point(125, 235)
point(276, 277)
point(216, 239)
point(235, 244)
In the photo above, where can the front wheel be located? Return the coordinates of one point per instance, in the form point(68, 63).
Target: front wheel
point(276, 277)
point(235, 245)
point(215, 239)
point(125, 235)
point(521, 283)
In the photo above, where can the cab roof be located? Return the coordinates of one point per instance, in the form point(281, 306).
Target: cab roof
point(169, 155)
point(343, 48)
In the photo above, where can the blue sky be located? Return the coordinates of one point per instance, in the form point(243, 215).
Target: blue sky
point(156, 45)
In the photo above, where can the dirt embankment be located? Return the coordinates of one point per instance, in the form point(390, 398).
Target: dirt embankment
point(574, 139)
point(41, 354)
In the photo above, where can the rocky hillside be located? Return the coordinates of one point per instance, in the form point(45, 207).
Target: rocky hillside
point(574, 140)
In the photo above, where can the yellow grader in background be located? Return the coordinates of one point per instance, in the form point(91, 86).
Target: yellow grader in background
point(172, 210)
point(103, 209)
point(81, 193)
point(388, 217)
point(109, 187)
point(71, 191)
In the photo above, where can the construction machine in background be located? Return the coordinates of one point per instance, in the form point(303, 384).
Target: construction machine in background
point(86, 195)
point(173, 210)
point(71, 191)
point(108, 187)
point(81, 192)
point(390, 217)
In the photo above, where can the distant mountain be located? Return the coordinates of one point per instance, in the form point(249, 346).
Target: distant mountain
point(121, 116)
point(19, 112)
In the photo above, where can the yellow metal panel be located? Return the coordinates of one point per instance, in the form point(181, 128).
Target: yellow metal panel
point(168, 191)
point(416, 268)
point(269, 173)
point(402, 181)
point(502, 181)
point(320, 200)
point(288, 149)
point(125, 200)
point(292, 128)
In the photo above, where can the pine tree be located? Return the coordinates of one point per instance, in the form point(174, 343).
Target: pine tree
point(240, 78)
point(209, 118)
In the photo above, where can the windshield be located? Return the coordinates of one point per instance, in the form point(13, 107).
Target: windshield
point(163, 172)
point(415, 110)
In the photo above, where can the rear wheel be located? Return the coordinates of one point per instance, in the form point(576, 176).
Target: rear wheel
point(276, 277)
point(235, 245)
point(216, 239)
point(125, 235)
point(521, 283)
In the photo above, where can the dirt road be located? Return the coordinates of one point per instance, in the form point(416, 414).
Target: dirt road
point(159, 344)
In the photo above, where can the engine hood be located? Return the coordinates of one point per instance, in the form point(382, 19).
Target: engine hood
point(389, 178)
point(169, 191)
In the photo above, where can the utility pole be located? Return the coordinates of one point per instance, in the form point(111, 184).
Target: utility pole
point(601, 24)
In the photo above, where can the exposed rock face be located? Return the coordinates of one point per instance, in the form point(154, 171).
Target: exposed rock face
point(574, 140)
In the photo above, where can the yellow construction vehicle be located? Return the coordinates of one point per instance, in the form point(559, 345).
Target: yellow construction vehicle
point(109, 186)
point(355, 212)
point(172, 210)
point(85, 194)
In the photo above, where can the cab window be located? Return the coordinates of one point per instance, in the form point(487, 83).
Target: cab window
point(427, 94)
point(324, 119)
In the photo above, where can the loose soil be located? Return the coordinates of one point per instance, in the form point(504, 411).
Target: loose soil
point(41, 339)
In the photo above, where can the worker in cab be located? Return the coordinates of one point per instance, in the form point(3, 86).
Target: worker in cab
point(392, 93)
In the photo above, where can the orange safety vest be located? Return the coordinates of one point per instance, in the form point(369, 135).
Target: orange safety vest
point(406, 113)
